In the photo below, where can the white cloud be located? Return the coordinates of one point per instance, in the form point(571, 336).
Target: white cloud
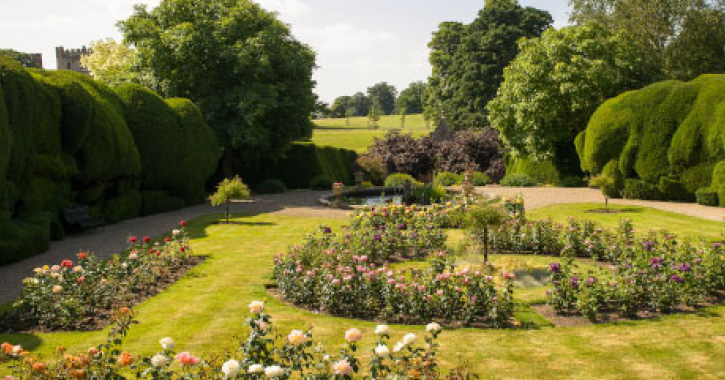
point(289, 10)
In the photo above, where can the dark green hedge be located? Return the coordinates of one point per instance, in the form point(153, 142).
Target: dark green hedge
point(305, 161)
point(66, 139)
point(668, 135)
point(541, 172)
point(178, 150)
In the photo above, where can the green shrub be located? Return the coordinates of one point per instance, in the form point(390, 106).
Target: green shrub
point(480, 179)
point(271, 186)
point(674, 190)
point(426, 194)
point(399, 179)
point(304, 161)
point(518, 180)
point(571, 181)
point(638, 189)
point(718, 181)
point(707, 197)
point(321, 183)
point(122, 207)
point(20, 239)
point(155, 202)
point(543, 172)
point(448, 179)
point(668, 129)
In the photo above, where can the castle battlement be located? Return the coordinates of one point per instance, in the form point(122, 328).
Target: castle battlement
point(70, 59)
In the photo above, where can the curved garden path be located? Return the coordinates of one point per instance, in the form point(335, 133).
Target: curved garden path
point(106, 240)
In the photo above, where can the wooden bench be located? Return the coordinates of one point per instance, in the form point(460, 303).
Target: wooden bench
point(79, 218)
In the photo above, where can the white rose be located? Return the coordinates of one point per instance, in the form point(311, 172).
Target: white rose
point(167, 343)
point(255, 368)
point(409, 339)
point(176, 232)
point(159, 360)
point(382, 330)
point(256, 307)
point(133, 256)
point(433, 328)
point(382, 350)
point(296, 337)
point(398, 346)
point(274, 371)
point(231, 368)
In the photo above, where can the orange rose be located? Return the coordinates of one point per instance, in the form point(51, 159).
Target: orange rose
point(7, 348)
point(39, 367)
point(78, 373)
point(83, 255)
point(92, 351)
point(125, 359)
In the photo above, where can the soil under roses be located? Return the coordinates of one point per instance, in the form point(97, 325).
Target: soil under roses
point(23, 323)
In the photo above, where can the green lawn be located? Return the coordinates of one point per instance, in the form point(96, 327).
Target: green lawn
point(358, 137)
point(205, 311)
point(644, 219)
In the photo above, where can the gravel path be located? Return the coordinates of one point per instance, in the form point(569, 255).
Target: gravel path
point(107, 240)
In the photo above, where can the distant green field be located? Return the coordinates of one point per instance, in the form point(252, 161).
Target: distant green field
point(358, 137)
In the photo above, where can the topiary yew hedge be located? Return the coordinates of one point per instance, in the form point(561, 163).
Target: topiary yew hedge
point(667, 139)
point(66, 139)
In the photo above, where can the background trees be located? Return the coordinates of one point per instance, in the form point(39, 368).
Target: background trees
point(383, 95)
point(411, 99)
point(680, 39)
point(469, 60)
point(251, 78)
point(554, 86)
point(22, 58)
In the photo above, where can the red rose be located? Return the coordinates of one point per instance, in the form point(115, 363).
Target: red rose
point(66, 264)
point(146, 239)
point(167, 240)
point(132, 239)
point(182, 223)
point(80, 279)
point(183, 249)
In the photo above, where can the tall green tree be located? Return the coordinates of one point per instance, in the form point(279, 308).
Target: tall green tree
point(361, 104)
point(554, 86)
point(411, 99)
point(469, 60)
point(384, 95)
point(340, 106)
point(251, 78)
point(680, 39)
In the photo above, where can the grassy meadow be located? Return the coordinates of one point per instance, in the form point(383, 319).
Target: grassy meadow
point(356, 135)
point(204, 312)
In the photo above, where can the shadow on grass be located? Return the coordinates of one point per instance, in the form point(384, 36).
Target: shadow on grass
point(29, 342)
point(197, 227)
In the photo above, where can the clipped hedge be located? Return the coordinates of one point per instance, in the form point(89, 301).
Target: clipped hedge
point(542, 172)
point(669, 135)
point(305, 161)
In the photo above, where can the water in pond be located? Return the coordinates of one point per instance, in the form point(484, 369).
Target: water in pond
point(375, 200)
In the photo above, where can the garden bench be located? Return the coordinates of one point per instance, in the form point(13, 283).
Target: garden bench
point(79, 217)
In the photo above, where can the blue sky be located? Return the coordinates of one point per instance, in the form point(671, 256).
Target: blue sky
point(358, 42)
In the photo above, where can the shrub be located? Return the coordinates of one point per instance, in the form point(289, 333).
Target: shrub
point(473, 149)
point(228, 190)
point(21, 238)
point(543, 172)
point(155, 202)
point(572, 181)
point(321, 183)
point(480, 179)
point(638, 189)
point(518, 180)
point(271, 186)
point(427, 194)
point(402, 153)
point(399, 179)
point(674, 190)
point(448, 179)
point(305, 161)
point(373, 167)
point(707, 197)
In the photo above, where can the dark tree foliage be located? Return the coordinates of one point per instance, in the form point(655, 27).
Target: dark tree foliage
point(24, 59)
point(340, 106)
point(402, 153)
point(469, 60)
point(360, 104)
point(473, 149)
point(243, 68)
point(383, 95)
point(679, 39)
point(410, 100)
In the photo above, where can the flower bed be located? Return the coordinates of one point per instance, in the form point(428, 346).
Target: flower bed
point(656, 274)
point(346, 274)
point(264, 354)
point(80, 295)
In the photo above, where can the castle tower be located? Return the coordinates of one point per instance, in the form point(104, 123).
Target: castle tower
point(70, 59)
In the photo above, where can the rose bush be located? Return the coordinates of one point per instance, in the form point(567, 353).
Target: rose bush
point(347, 273)
point(63, 296)
point(264, 354)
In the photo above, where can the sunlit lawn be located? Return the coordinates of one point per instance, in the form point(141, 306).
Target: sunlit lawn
point(204, 311)
point(358, 137)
